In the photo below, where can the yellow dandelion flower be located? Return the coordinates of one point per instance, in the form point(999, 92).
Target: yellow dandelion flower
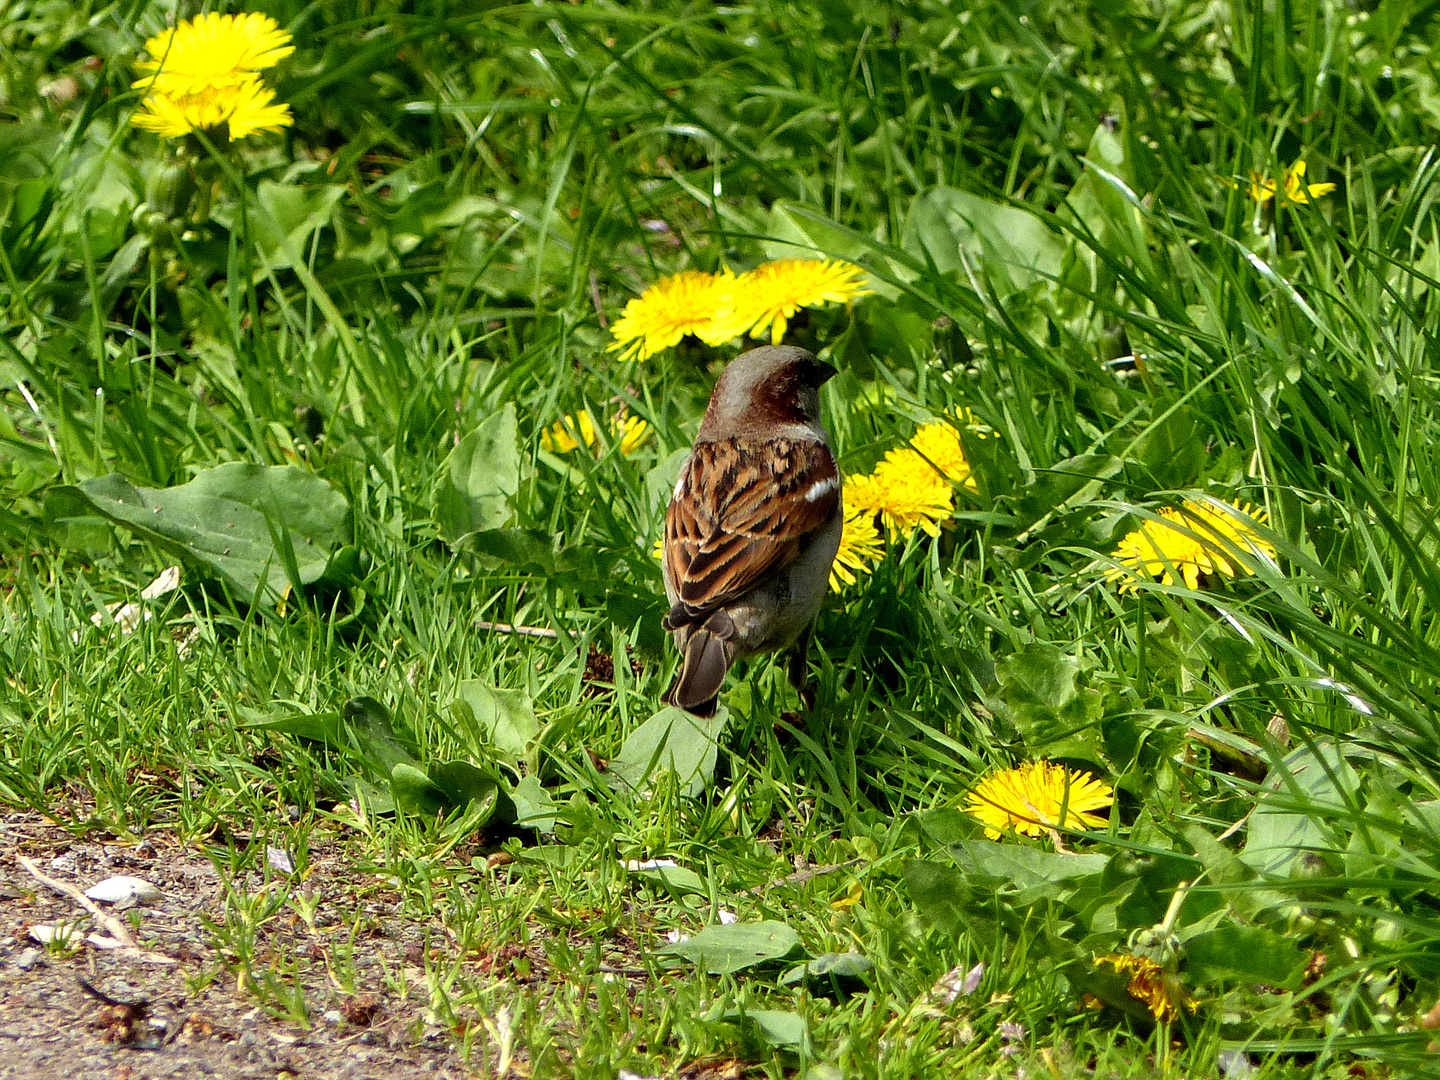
point(1297, 191)
point(938, 442)
point(212, 51)
point(1197, 538)
point(1161, 991)
point(1035, 798)
point(905, 491)
point(1262, 188)
point(247, 107)
point(860, 545)
point(632, 432)
point(683, 303)
point(853, 895)
point(569, 434)
point(766, 298)
point(579, 429)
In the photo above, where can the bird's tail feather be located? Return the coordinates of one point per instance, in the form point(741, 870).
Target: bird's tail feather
point(708, 653)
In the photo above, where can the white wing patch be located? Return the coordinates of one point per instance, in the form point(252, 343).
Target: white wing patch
point(821, 488)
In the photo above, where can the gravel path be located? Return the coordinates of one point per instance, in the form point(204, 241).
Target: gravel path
point(110, 1014)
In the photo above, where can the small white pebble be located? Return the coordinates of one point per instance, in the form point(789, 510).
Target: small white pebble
point(123, 887)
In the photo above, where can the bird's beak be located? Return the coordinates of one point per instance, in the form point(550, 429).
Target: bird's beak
point(823, 373)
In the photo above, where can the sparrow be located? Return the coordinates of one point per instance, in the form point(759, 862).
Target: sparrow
point(753, 526)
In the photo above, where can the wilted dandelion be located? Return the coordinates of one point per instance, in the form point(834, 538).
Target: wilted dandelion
point(1035, 798)
point(579, 429)
point(681, 304)
point(1161, 991)
point(860, 545)
point(1197, 538)
point(762, 301)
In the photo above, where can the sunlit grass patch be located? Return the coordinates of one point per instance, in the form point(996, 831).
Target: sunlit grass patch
point(1140, 501)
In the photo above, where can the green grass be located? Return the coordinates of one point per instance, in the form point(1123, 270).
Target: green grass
point(464, 196)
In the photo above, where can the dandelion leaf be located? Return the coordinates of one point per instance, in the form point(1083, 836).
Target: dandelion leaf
point(414, 791)
point(256, 526)
point(1039, 691)
point(502, 720)
point(1250, 954)
point(287, 216)
point(955, 230)
point(674, 741)
point(1037, 874)
point(775, 1028)
point(480, 479)
point(846, 965)
point(722, 949)
point(534, 808)
point(1312, 784)
point(946, 901)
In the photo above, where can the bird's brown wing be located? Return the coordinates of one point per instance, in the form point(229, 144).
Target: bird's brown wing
point(743, 512)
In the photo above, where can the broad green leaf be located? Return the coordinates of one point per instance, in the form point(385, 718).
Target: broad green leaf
point(1103, 199)
point(415, 792)
point(1039, 691)
point(117, 274)
point(502, 719)
point(1171, 453)
point(524, 549)
point(639, 609)
point(1069, 483)
point(1234, 878)
point(481, 478)
point(959, 231)
point(374, 733)
point(721, 950)
point(674, 741)
point(846, 965)
point(452, 785)
point(534, 809)
point(285, 216)
point(1280, 830)
point(228, 519)
point(73, 522)
point(1031, 869)
point(946, 825)
point(327, 728)
point(945, 900)
point(346, 567)
point(376, 797)
point(782, 1030)
point(1144, 884)
point(1245, 954)
point(678, 879)
point(463, 783)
